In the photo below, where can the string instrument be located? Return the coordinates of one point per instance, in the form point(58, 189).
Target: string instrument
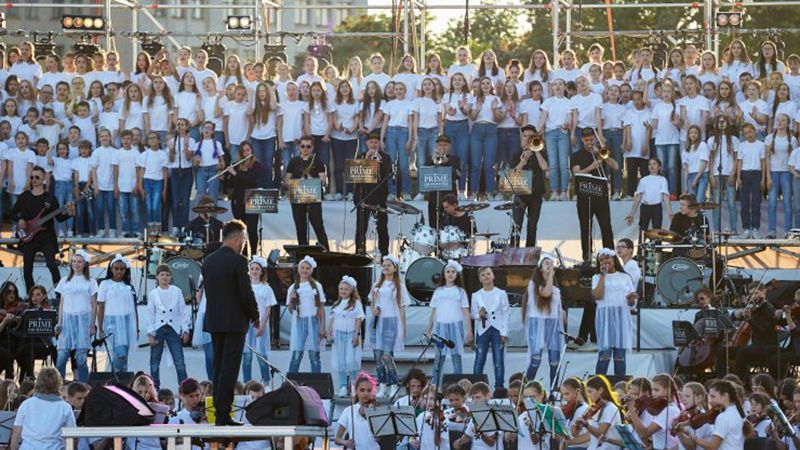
point(37, 224)
point(569, 408)
point(362, 409)
point(458, 415)
point(705, 418)
point(653, 406)
point(683, 419)
point(744, 331)
point(591, 412)
point(436, 420)
point(699, 355)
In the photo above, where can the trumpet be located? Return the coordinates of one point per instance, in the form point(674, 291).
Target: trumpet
point(535, 144)
point(438, 158)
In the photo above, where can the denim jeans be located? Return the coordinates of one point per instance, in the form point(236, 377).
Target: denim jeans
point(426, 144)
point(289, 150)
point(208, 353)
point(557, 142)
point(202, 185)
point(180, 191)
point(729, 194)
point(264, 150)
point(613, 137)
point(234, 153)
point(702, 186)
point(342, 150)
point(385, 367)
point(105, 203)
point(247, 367)
point(490, 337)
point(84, 214)
point(438, 364)
point(482, 151)
point(781, 184)
point(313, 357)
point(458, 132)
point(396, 138)
point(668, 155)
point(63, 192)
point(553, 357)
point(796, 200)
point(152, 199)
point(751, 199)
point(129, 210)
point(323, 150)
point(604, 359)
point(167, 335)
point(80, 361)
point(508, 144)
point(120, 361)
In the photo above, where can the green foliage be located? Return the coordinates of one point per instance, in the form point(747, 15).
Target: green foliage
point(345, 47)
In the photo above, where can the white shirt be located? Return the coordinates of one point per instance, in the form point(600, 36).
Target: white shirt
point(768, 69)
point(412, 81)
point(307, 295)
point(41, 421)
point(209, 105)
point(728, 427)
point(134, 117)
point(200, 75)
point(794, 159)
point(88, 130)
point(664, 420)
point(632, 269)
point(76, 294)
point(318, 117)
point(266, 130)
point(426, 433)
point(793, 81)
point(20, 160)
point(292, 113)
point(153, 162)
point(558, 110)
point(709, 77)
point(760, 106)
point(381, 78)
point(693, 159)
point(529, 76)
point(62, 169)
point(52, 79)
point(29, 71)
point(779, 154)
point(555, 303)
point(210, 151)
point(500, 78)
point(158, 112)
point(449, 302)
point(615, 290)
point(666, 132)
point(83, 166)
point(126, 161)
point(495, 302)
point(387, 298)
point(104, 160)
point(265, 298)
point(486, 114)
point(609, 414)
point(109, 121)
point(751, 154)
point(452, 101)
point(652, 188)
point(587, 106)
point(346, 115)
point(358, 428)
point(117, 297)
point(345, 319)
point(636, 120)
point(427, 110)
point(166, 307)
point(612, 115)
point(694, 108)
point(733, 70)
point(727, 157)
point(180, 143)
point(469, 70)
point(398, 112)
point(566, 75)
point(238, 123)
point(186, 105)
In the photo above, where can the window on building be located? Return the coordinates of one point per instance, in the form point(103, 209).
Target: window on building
point(197, 13)
point(178, 13)
point(301, 15)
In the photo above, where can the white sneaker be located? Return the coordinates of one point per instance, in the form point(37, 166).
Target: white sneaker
point(406, 197)
point(391, 197)
point(747, 234)
point(419, 197)
point(381, 391)
point(754, 234)
point(571, 345)
point(328, 197)
point(60, 234)
point(393, 390)
point(70, 233)
point(100, 233)
point(337, 197)
point(343, 391)
point(349, 197)
point(589, 347)
point(564, 197)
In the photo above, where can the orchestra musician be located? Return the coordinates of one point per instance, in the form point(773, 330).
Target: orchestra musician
point(779, 362)
point(450, 215)
point(205, 223)
point(246, 175)
point(759, 316)
point(441, 157)
point(687, 221)
point(306, 165)
point(365, 197)
point(530, 205)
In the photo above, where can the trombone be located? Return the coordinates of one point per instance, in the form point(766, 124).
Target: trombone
point(603, 152)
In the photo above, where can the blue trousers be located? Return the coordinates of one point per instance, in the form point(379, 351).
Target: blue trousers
point(751, 199)
point(482, 153)
point(557, 142)
point(208, 353)
point(796, 201)
point(181, 190)
point(247, 367)
point(297, 358)
point(729, 194)
point(167, 335)
point(385, 367)
point(396, 138)
point(702, 186)
point(668, 155)
point(105, 203)
point(120, 361)
point(781, 184)
point(613, 137)
point(264, 150)
point(63, 192)
point(80, 361)
point(458, 132)
point(426, 144)
point(490, 337)
point(202, 185)
point(152, 199)
point(553, 358)
point(130, 207)
point(438, 364)
point(604, 359)
point(342, 150)
point(508, 144)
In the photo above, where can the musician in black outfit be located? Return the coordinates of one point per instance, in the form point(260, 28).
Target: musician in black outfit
point(687, 221)
point(780, 361)
point(306, 165)
point(197, 227)
point(365, 195)
point(29, 204)
point(529, 204)
point(239, 179)
point(587, 161)
point(451, 216)
point(760, 314)
point(441, 157)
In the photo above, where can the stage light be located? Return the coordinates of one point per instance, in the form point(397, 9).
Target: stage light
point(729, 19)
point(216, 53)
point(319, 48)
point(150, 44)
point(239, 23)
point(44, 45)
point(274, 51)
point(71, 22)
point(85, 46)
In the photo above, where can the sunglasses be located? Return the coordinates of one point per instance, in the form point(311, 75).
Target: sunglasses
point(306, 146)
point(36, 177)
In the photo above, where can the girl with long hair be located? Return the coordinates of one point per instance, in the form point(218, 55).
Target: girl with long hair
point(600, 425)
point(569, 70)
point(751, 180)
point(189, 104)
point(344, 137)
point(232, 75)
point(427, 118)
point(575, 404)
point(779, 145)
point(354, 73)
point(657, 425)
point(736, 63)
point(508, 130)
point(556, 122)
point(782, 104)
point(180, 152)
point(542, 318)
point(676, 67)
point(614, 293)
point(694, 399)
point(768, 61)
point(370, 115)
point(694, 109)
point(489, 67)
point(398, 138)
point(456, 108)
point(158, 109)
point(132, 113)
point(259, 337)
point(434, 69)
point(486, 111)
point(695, 164)
point(730, 427)
point(305, 301)
point(267, 124)
point(726, 105)
point(344, 332)
point(353, 430)
point(612, 114)
point(236, 121)
point(539, 69)
point(77, 313)
point(709, 73)
point(406, 73)
point(723, 146)
point(116, 311)
point(755, 111)
point(319, 119)
point(30, 350)
point(463, 64)
point(666, 124)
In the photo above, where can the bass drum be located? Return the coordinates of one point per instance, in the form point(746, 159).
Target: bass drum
point(185, 275)
point(422, 278)
point(677, 280)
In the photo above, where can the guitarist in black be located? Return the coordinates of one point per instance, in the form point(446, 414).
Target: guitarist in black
point(38, 202)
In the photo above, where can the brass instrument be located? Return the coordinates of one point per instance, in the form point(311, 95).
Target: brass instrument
point(603, 152)
point(307, 169)
point(535, 144)
point(438, 158)
point(219, 174)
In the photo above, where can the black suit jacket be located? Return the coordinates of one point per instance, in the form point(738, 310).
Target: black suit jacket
point(230, 303)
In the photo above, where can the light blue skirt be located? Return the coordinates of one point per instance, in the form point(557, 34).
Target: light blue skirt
point(386, 335)
point(305, 334)
point(453, 331)
point(261, 344)
point(124, 329)
point(613, 325)
point(544, 335)
point(345, 357)
point(200, 337)
point(75, 332)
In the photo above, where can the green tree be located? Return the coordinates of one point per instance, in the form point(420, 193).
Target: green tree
point(363, 46)
point(488, 28)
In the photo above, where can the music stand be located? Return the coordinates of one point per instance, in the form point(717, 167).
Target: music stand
point(683, 333)
point(390, 423)
point(494, 418)
point(551, 417)
point(629, 441)
point(6, 424)
point(714, 322)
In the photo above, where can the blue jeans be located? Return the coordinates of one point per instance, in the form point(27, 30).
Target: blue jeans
point(202, 185)
point(604, 359)
point(781, 184)
point(234, 153)
point(289, 150)
point(120, 361)
point(105, 203)
point(751, 199)
point(247, 367)
point(342, 150)
point(490, 337)
point(553, 357)
point(702, 186)
point(613, 137)
point(265, 153)
point(167, 335)
point(796, 200)
point(180, 191)
point(426, 144)
point(84, 214)
point(208, 353)
point(438, 364)
point(323, 150)
point(729, 193)
point(557, 142)
point(63, 192)
point(508, 144)
point(482, 151)
point(396, 138)
point(129, 210)
point(385, 367)
point(80, 361)
point(668, 155)
point(152, 199)
point(458, 132)
point(313, 357)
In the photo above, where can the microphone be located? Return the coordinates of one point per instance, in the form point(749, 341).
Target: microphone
point(576, 339)
point(441, 340)
point(100, 341)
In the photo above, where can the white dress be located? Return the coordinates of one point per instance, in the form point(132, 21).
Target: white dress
point(613, 319)
point(387, 334)
point(265, 299)
point(345, 357)
point(305, 323)
point(449, 320)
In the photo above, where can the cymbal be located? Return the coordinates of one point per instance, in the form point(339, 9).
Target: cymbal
point(663, 235)
point(402, 207)
point(486, 235)
point(377, 208)
point(705, 205)
point(209, 209)
point(504, 206)
point(725, 234)
point(161, 238)
point(472, 207)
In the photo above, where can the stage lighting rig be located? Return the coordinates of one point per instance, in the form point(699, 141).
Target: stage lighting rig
point(730, 19)
point(150, 43)
point(320, 48)
point(275, 51)
point(85, 46)
point(213, 45)
point(83, 23)
point(43, 45)
point(239, 23)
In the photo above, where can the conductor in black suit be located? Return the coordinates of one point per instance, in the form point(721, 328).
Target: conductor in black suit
point(230, 310)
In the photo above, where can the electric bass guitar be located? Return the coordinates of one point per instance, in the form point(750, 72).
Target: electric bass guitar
point(37, 224)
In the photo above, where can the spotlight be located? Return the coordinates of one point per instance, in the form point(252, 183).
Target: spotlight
point(729, 19)
point(319, 48)
point(272, 51)
point(91, 24)
point(150, 44)
point(216, 53)
point(85, 46)
point(44, 45)
point(239, 23)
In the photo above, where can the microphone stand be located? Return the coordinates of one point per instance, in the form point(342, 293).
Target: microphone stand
point(413, 366)
point(104, 343)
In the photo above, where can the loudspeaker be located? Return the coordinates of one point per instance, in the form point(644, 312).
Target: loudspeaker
point(288, 406)
point(103, 378)
point(453, 378)
point(115, 405)
point(320, 382)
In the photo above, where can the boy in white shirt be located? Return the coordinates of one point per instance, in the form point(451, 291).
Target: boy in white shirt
point(166, 322)
point(636, 140)
point(83, 179)
point(48, 127)
point(19, 160)
point(127, 186)
point(481, 395)
point(104, 159)
point(490, 310)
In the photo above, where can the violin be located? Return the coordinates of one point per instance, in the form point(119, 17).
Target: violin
point(591, 412)
point(704, 418)
point(683, 419)
point(362, 409)
point(458, 415)
point(744, 331)
point(569, 408)
point(654, 406)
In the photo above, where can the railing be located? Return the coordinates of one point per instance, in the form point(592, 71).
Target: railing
point(209, 432)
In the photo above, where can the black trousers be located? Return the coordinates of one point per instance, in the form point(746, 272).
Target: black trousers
point(779, 362)
point(228, 349)
point(251, 220)
point(532, 205)
point(28, 352)
point(747, 356)
point(650, 217)
point(381, 223)
point(587, 331)
point(589, 207)
point(46, 243)
point(309, 212)
point(636, 168)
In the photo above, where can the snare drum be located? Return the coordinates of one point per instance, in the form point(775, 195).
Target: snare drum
point(423, 239)
point(194, 248)
point(408, 256)
point(452, 237)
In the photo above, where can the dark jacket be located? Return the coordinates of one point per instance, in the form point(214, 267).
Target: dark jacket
point(230, 302)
